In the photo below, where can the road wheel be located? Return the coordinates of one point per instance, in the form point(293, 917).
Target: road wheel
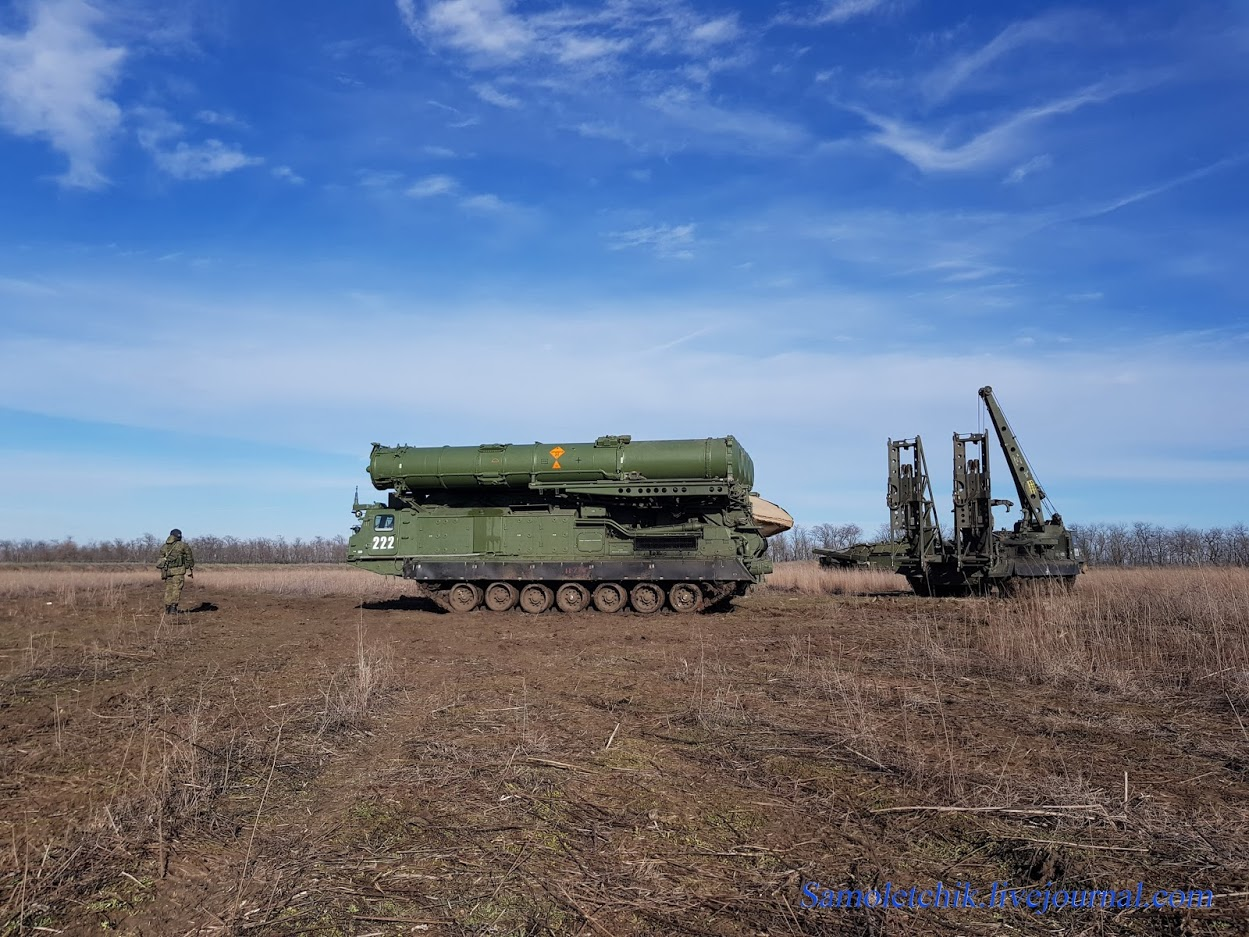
point(646, 598)
point(463, 597)
point(536, 598)
point(609, 597)
point(685, 597)
point(572, 597)
point(500, 596)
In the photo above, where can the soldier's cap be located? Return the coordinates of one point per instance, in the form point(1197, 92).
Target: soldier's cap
point(175, 532)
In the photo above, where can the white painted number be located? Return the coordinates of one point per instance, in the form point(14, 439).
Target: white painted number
point(384, 543)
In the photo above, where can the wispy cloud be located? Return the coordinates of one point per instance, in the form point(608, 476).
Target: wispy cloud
point(440, 185)
point(221, 119)
point(487, 203)
point(670, 241)
point(694, 111)
point(1052, 27)
point(286, 174)
point(1151, 191)
point(932, 152)
point(492, 95)
point(1025, 169)
point(55, 84)
point(484, 28)
point(832, 11)
point(23, 287)
point(497, 32)
point(163, 138)
point(432, 186)
point(552, 57)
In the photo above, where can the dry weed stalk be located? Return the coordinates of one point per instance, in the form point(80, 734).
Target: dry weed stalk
point(351, 693)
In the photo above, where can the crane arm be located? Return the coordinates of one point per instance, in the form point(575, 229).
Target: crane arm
point(1030, 493)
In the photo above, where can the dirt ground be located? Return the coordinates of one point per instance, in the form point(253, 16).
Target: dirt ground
point(338, 764)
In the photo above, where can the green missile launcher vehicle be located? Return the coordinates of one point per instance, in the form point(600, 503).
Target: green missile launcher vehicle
point(608, 524)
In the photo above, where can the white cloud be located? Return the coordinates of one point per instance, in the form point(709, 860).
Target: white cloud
point(485, 28)
point(1051, 27)
point(55, 82)
point(695, 112)
point(833, 11)
point(220, 119)
point(838, 11)
point(582, 61)
point(378, 179)
point(205, 160)
point(574, 49)
point(500, 33)
point(1147, 193)
point(932, 153)
point(1025, 169)
point(492, 95)
point(163, 138)
point(432, 186)
point(488, 204)
point(670, 241)
point(286, 174)
point(724, 29)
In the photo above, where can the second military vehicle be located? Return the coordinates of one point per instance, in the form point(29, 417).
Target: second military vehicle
point(976, 559)
point(608, 524)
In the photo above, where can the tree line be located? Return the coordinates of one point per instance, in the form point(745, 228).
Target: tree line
point(1138, 544)
point(208, 549)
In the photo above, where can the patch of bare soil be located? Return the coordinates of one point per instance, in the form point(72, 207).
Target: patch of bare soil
point(301, 764)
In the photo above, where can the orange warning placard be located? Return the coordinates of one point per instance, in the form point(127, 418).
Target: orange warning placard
point(557, 452)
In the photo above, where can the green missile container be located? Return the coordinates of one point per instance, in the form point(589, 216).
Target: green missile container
point(607, 459)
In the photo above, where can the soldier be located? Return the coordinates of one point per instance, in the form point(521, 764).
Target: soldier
point(176, 564)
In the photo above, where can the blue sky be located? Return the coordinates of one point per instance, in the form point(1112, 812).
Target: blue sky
point(241, 241)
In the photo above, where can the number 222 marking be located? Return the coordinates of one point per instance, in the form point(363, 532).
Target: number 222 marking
point(384, 543)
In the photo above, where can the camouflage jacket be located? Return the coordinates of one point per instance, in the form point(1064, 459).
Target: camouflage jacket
point(175, 554)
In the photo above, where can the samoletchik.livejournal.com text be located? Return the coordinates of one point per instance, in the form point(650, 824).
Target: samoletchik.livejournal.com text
point(1041, 900)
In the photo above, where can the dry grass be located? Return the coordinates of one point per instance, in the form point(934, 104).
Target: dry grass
point(1129, 630)
point(69, 586)
point(1125, 629)
point(93, 587)
point(809, 578)
point(311, 580)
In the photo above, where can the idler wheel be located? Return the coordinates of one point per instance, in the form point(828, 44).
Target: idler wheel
point(500, 596)
point(572, 597)
point(685, 597)
point(647, 598)
point(609, 597)
point(536, 598)
point(463, 597)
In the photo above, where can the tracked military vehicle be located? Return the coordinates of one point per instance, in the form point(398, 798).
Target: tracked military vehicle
point(609, 524)
point(977, 559)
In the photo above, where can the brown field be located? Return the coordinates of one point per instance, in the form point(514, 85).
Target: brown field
point(311, 753)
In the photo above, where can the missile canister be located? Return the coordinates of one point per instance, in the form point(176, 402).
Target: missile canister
point(609, 458)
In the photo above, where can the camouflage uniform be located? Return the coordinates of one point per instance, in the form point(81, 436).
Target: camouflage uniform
point(175, 563)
